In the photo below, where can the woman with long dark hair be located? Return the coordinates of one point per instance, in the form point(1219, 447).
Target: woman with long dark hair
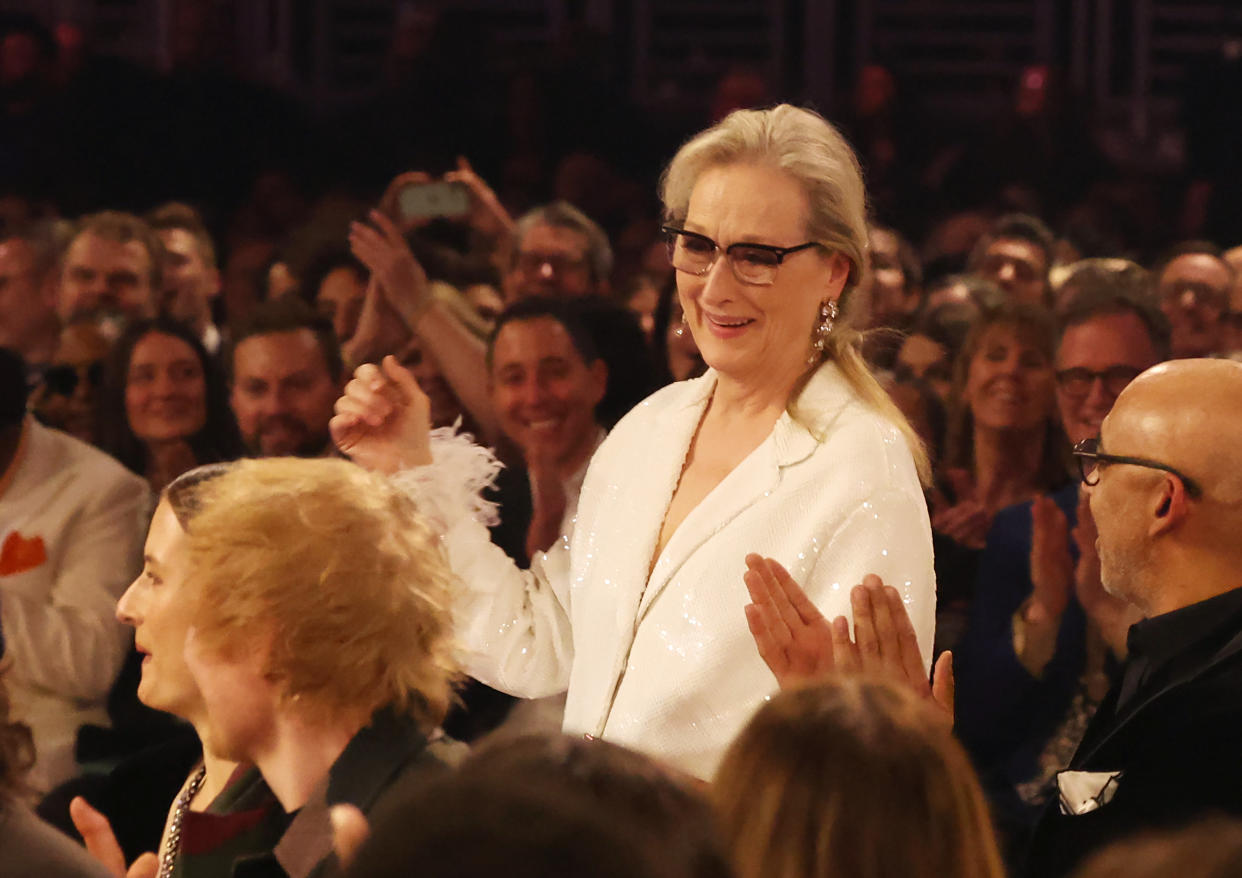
point(164, 405)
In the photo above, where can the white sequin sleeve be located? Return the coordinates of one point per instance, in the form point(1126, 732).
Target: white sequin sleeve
point(512, 624)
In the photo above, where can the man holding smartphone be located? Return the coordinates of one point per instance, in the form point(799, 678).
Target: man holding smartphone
point(554, 251)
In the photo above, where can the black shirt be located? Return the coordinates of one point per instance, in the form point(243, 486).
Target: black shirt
point(1163, 647)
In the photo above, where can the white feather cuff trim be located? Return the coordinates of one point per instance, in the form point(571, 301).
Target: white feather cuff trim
point(453, 484)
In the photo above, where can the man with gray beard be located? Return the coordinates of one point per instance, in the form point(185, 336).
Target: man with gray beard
point(1164, 480)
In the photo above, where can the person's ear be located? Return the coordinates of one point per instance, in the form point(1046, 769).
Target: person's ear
point(1170, 506)
point(837, 277)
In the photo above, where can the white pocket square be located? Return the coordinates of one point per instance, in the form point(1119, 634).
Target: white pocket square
point(1081, 792)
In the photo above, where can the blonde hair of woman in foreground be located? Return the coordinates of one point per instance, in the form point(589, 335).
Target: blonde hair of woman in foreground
point(853, 776)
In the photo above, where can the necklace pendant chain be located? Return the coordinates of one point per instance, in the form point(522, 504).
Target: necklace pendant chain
point(172, 844)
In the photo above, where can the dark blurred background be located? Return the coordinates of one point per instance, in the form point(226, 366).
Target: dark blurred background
point(255, 110)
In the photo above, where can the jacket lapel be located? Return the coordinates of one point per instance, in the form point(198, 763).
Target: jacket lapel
point(756, 476)
point(633, 581)
point(647, 498)
point(1093, 744)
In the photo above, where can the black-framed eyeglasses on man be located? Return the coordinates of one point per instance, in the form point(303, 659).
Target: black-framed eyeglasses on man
point(560, 263)
point(1090, 458)
point(1193, 293)
point(1077, 381)
point(754, 264)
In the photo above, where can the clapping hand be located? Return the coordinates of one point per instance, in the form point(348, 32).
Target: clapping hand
point(1052, 568)
point(380, 330)
point(798, 644)
point(1038, 622)
point(101, 843)
point(966, 521)
point(383, 421)
point(548, 498)
point(350, 830)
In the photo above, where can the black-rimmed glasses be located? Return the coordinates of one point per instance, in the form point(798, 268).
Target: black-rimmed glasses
point(1078, 381)
point(560, 263)
point(1195, 293)
point(751, 263)
point(63, 379)
point(1090, 458)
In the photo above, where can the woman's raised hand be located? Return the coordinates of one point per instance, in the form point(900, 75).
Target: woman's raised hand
point(487, 215)
point(384, 251)
point(383, 421)
point(798, 644)
point(389, 202)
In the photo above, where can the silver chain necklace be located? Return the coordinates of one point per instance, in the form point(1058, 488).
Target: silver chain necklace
point(172, 843)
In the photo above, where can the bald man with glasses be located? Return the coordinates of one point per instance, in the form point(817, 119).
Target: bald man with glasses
point(1164, 482)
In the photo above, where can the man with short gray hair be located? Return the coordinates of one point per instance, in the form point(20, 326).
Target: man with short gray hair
point(558, 251)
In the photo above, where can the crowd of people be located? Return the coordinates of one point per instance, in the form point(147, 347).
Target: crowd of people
point(465, 542)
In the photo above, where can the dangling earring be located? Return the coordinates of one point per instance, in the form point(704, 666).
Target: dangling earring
point(680, 330)
point(827, 317)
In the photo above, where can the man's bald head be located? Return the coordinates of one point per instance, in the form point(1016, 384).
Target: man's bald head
point(1157, 538)
point(1188, 412)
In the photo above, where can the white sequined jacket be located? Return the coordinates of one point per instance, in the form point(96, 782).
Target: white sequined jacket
point(666, 664)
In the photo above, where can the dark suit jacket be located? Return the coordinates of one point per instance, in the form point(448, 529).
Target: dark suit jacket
point(385, 761)
point(1178, 740)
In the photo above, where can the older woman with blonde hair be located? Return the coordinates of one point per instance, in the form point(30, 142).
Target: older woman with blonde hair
point(853, 776)
point(786, 447)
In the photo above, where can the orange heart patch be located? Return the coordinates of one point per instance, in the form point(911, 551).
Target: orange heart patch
point(20, 554)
